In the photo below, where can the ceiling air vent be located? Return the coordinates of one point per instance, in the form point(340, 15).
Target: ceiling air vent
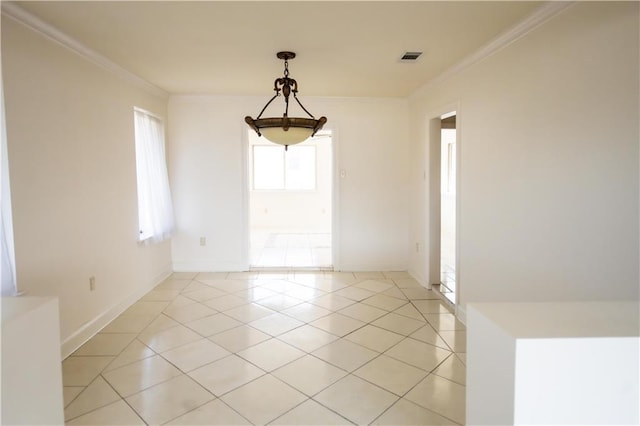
point(410, 56)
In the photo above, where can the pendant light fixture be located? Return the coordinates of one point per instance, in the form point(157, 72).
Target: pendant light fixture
point(286, 130)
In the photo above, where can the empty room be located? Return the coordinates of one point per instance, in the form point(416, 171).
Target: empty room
point(320, 212)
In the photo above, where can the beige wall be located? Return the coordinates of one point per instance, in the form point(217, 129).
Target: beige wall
point(208, 169)
point(72, 163)
point(548, 171)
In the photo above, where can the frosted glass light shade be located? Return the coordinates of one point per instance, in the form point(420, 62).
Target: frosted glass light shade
point(291, 136)
point(286, 130)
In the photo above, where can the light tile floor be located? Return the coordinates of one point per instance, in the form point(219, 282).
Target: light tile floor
point(274, 348)
point(289, 248)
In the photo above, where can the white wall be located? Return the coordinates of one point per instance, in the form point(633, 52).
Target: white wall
point(208, 175)
point(73, 181)
point(548, 171)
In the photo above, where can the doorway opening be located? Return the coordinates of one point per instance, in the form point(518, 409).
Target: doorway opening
point(448, 205)
point(290, 203)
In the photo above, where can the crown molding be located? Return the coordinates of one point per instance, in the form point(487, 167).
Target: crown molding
point(541, 15)
point(25, 18)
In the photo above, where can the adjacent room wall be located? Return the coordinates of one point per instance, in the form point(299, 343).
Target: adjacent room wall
point(208, 139)
point(73, 180)
point(291, 210)
point(548, 171)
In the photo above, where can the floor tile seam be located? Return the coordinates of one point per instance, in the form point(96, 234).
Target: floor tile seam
point(280, 366)
point(409, 336)
point(371, 323)
point(143, 389)
point(354, 422)
point(267, 373)
point(409, 364)
point(167, 421)
point(203, 365)
point(202, 301)
point(319, 347)
point(416, 366)
point(386, 309)
point(222, 331)
point(275, 336)
point(433, 372)
point(182, 321)
point(268, 307)
point(329, 362)
point(104, 370)
point(307, 398)
point(75, 397)
point(243, 324)
point(159, 352)
point(429, 343)
point(368, 322)
point(106, 405)
point(383, 388)
point(317, 402)
point(264, 373)
point(443, 339)
point(431, 409)
point(345, 335)
point(407, 316)
point(417, 405)
point(155, 317)
point(405, 393)
point(215, 398)
point(424, 314)
point(371, 383)
point(182, 374)
point(96, 408)
point(321, 390)
point(166, 328)
point(87, 356)
point(376, 349)
point(394, 331)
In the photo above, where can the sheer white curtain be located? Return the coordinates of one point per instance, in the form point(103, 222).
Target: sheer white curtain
point(8, 271)
point(155, 210)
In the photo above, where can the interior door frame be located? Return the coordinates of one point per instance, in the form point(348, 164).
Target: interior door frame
point(335, 198)
point(433, 196)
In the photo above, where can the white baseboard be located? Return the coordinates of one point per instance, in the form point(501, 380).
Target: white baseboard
point(88, 330)
point(207, 266)
point(369, 267)
point(418, 277)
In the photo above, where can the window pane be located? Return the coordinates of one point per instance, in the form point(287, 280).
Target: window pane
point(155, 214)
point(268, 167)
point(301, 168)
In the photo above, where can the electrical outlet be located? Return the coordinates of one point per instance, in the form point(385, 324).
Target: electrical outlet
point(92, 283)
point(203, 241)
point(417, 247)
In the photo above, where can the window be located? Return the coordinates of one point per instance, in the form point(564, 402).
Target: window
point(155, 213)
point(290, 170)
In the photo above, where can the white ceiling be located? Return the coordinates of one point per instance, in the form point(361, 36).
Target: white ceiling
point(228, 48)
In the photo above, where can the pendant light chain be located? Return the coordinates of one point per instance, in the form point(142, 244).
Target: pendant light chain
point(303, 127)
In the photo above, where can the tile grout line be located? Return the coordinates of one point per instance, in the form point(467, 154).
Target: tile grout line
point(290, 276)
